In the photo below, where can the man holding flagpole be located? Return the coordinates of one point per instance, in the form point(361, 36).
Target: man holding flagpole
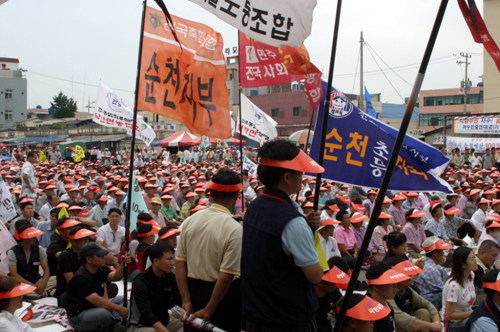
point(279, 263)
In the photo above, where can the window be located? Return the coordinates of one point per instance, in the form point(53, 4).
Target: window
point(254, 92)
point(8, 115)
point(454, 100)
point(297, 111)
point(436, 119)
point(8, 93)
point(275, 112)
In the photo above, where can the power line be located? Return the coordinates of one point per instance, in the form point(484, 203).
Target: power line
point(387, 78)
point(73, 82)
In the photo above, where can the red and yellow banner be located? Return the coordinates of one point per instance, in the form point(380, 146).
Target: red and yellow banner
point(188, 84)
point(262, 64)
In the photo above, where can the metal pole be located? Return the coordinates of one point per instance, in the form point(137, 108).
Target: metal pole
point(392, 163)
point(241, 131)
point(361, 83)
point(131, 164)
point(327, 100)
point(306, 150)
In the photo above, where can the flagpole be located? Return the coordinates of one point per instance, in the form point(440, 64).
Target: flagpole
point(309, 131)
point(392, 162)
point(327, 101)
point(241, 132)
point(131, 165)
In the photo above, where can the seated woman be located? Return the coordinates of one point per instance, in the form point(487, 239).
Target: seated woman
point(11, 299)
point(377, 243)
point(414, 232)
point(459, 292)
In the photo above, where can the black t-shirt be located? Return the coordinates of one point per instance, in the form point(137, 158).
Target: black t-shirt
point(57, 244)
point(404, 301)
point(82, 285)
point(68, 261)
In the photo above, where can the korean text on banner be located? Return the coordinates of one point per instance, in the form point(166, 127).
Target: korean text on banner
point(476, 125)
point(6, 242)
point(261, 64)
point(249, 165)
point(276, 23)
point(479, 144)
point(111, 111)
point(7, 209)
point(138, 204)
point(358, 148)
point(256, 124)
point(188, 84)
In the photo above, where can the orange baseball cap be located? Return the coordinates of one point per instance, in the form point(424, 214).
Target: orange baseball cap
point(80, 234)
point(417, 214)
point(452, 210)
point(384, 215)
point(169, 233)
point(494, 217)
point(336, 276)
point(68, 223)
point(433, 243)
point(302, 163)
point(334, 208)
point(367, 310)
point(390, 276)
point(493, 225)
point(344, 199)
point(484, 201)
point(358, 207)
point(27, 233)
point(358, 217)
point(329, 222)
point(407, 268)
point(18, 290)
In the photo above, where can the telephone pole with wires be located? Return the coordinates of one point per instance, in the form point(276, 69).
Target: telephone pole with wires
point(465, 85)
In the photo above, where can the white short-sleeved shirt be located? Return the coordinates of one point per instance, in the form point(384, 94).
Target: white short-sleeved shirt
point(464, 297)
point(30, 171)
point(111, 240)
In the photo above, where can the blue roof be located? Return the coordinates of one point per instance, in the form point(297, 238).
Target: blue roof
point(397, 111)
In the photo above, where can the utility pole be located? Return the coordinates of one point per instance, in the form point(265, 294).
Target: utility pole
point(361, 84)
point(465, 84)
point(89, 106)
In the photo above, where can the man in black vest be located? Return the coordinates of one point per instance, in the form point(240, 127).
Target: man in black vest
point(486, 317)
point(279, 263)
point(26, 258)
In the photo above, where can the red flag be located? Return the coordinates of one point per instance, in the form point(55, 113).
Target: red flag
point(262, 64)
point(188, 84)
point(478, 29)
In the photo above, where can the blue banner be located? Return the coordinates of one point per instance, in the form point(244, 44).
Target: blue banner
point(369, 107)
point(358, 148)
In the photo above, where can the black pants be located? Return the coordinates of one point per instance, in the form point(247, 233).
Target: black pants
point(254, 327)
point(227, 316)
point(466, 229)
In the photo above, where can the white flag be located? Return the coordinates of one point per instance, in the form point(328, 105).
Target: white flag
point(276, 23)
point(111, 111)
point(249, 165)
point(256, 124)
point(7, 209)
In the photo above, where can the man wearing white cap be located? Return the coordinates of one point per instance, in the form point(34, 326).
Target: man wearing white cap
point(431, 281)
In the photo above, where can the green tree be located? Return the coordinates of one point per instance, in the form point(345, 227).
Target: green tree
point(63, 106)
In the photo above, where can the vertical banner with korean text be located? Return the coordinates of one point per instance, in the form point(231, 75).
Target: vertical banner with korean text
point(358, 148)
point(276, 22)
point(7, 208)
point(188, 84)
point(138, 203)
point(262, 64)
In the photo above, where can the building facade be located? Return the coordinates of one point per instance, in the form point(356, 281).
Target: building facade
point(435, 105)
point(13, 94)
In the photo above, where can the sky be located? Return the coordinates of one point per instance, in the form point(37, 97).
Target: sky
point(69, 46)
